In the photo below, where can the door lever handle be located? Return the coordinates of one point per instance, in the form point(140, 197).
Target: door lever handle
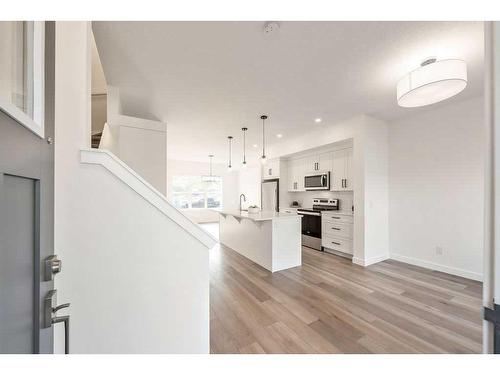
point(63, 319)
point(50, 318)
point(63, 306)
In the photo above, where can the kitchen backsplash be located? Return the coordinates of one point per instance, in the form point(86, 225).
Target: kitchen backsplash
point(305, 198)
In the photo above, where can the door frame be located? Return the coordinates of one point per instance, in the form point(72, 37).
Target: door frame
point(491, 269)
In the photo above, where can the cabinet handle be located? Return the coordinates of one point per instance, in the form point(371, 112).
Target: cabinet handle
point(345, 185)
point(335, 217)
point(335, 243)
point(335, 228)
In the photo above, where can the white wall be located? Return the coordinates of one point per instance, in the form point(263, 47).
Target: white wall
point(98, 113)
point(230, 189)
point(140, 143)
point(145, 151)
point(376, 190)
point(136, 281)
point(436, 194)
point(249, 183)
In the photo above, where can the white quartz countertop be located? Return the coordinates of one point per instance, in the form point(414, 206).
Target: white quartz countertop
point(339, 212)
point(261, 216)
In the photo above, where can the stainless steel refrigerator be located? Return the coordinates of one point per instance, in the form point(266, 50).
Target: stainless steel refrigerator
point(270, 195)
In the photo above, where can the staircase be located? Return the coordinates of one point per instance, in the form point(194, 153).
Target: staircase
point(96, 140)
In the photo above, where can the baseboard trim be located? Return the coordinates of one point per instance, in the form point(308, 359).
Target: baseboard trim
point(438, 267)
point(369, 261)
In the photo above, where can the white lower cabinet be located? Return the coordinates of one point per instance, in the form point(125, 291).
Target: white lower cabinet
point(337, 232)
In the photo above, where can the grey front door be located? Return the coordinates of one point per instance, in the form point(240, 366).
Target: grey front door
point(26, 223)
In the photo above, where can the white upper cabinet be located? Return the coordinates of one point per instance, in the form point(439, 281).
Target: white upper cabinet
point(296, 171)
point(348, 170)
point(338, 163)
point(271, 169)
point(326, 162)
point(341, 176)
point(311, 164)
point(300, 165)
point(318, 163)
point(290, 176)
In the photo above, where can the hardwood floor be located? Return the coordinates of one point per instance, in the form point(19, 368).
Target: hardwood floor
point(329, 305)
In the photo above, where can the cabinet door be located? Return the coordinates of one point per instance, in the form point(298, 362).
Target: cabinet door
point(300, 172)
point(348, 184)
point(325, 162)
point(311, 164)
point(274, 168)
point(338, 170)
point(291, 175)
point(270, 169)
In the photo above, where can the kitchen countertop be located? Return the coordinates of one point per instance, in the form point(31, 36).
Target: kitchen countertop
point(260, 216)
point(339, 212)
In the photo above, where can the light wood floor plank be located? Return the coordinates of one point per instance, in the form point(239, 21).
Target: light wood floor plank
point(330, 305)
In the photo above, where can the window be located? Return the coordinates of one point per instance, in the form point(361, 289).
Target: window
point(192, 192)
point(22, 72)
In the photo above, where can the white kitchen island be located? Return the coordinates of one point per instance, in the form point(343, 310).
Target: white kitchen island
point(270, 239)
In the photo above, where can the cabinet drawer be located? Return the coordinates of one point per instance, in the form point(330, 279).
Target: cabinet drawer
point(340, 229)
point(337, 244)
point(337, 218)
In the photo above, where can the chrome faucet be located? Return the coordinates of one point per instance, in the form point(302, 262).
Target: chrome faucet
point(244, 200)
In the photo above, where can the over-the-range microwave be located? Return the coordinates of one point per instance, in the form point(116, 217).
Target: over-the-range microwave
point(316, 181)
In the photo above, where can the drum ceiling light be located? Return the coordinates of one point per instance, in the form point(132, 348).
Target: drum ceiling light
point(432, 82)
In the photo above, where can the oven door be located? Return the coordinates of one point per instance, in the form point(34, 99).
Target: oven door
point(311, 224)
point(317, 182)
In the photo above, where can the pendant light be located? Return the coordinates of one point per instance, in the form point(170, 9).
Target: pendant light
point(230, 167)
point(432, 82)
point(244, 164)
point(210, 177)
point(263, 159)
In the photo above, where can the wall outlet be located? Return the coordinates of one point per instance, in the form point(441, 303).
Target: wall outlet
point(439, 250)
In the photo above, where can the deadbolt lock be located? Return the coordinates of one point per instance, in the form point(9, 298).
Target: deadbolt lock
point(52, 267)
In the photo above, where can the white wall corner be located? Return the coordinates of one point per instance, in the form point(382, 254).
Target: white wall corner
point(375, 143)
point(365, 262)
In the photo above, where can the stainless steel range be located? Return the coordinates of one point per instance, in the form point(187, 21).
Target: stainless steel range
point(311, 221)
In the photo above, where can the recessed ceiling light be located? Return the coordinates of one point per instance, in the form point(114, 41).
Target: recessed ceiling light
point(317, 120)
point(279, 135)
point(255, 146)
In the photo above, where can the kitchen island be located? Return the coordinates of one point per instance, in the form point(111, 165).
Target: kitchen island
point(270, 239)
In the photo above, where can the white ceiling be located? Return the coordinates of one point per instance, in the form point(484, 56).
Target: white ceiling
point(208, 79)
